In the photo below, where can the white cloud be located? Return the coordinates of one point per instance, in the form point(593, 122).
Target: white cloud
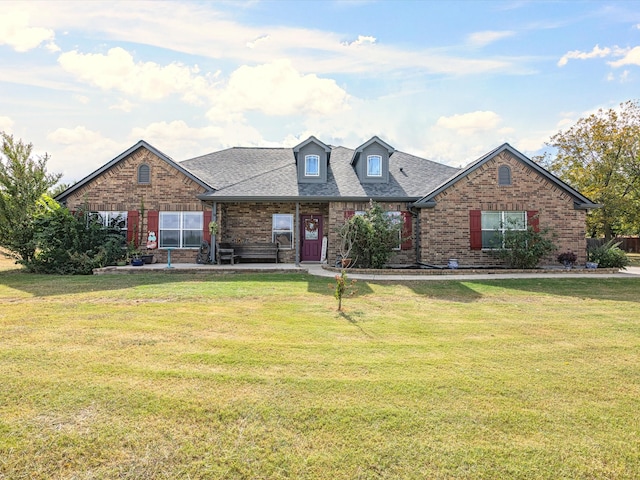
point(630, 57)
point(597, 52)
point(80, 152)
point(83, 99)
point(169, 25)
point(362, 40)
point(480, 39)
point(187, 142)
point(123, 104)
point(470, 123)
point(277, 89)
point(16, 32)
point(6, 124)
point(257, 41)
point(117, 70)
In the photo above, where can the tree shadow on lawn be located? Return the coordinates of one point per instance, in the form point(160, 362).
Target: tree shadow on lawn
point(467, 291)
point(616, 289)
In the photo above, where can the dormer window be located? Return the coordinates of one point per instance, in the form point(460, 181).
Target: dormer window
point(312, 166)
point(374, 166)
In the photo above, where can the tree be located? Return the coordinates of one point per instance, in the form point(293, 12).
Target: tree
point(23, 182)
point(600, 157)
point(371, 237)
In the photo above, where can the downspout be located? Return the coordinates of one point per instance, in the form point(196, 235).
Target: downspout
point(297, 234)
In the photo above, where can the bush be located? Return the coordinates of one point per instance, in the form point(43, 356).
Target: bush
point(609, 255)
point(74, 244)
point(525, 248)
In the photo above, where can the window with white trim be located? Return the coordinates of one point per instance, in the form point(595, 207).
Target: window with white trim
point(496, 224)
point(374, 166)
point(396, 219)
point(282, 230)
point(180, 229)
point(312, 166)
point(112, 219)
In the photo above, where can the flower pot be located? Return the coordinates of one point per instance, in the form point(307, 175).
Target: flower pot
point(147, 258)
point(346, 262)
point(453, 263)
point(137, 262)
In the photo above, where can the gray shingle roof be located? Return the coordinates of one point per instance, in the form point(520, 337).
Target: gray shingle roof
point(270, 174)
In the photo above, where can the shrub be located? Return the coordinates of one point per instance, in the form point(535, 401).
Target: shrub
point(609, 255)
point(525, 248)
point(74, 244)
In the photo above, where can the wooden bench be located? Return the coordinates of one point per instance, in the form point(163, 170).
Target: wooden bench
point(247, 251)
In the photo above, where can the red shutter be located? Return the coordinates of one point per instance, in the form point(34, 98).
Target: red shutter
point(153, 222)
point(475, 225)
point(532, 220)
point(407, 231)
point(206, 234)
point(133, 229)
point(348, 214)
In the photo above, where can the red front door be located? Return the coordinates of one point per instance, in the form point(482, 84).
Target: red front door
point(311, 236)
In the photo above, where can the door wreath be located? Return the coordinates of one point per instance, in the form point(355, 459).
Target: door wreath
point(311, 224)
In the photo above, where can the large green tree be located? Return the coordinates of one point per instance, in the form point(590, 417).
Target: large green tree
point(600, 157)
point(24, 182)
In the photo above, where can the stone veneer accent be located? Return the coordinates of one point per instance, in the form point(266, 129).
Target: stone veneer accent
point(446, 229)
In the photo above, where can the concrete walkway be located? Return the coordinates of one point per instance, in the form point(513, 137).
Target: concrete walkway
point(398, 275)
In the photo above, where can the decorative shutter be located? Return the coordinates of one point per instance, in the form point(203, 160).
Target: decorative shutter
point(206, 234)
point(407, 231)
point(475, 226)
point(132, 227)
point(153, 222)
point(348, 214)
point(532, 220)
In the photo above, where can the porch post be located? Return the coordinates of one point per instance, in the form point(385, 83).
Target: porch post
point(297, 233)
point(214, 217)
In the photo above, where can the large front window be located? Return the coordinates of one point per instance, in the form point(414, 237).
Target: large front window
point(114, 220)
point(496, 224)
point(282, 230)
point(374, 166)
point(180, 229)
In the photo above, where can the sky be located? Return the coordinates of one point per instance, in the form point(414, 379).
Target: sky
point(449, 81)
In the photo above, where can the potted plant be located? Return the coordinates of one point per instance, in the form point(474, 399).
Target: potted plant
point(568, 258)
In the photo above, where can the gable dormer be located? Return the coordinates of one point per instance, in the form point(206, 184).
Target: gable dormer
point(312, 160)
point(371, 161)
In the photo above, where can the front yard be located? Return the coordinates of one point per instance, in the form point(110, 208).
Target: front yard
point(258, 376)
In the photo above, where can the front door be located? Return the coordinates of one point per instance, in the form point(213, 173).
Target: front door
point(311, 236)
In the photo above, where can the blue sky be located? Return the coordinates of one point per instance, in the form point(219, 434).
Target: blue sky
point(447, 81)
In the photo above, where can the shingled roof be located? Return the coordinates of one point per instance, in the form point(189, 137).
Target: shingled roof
point(263, 174)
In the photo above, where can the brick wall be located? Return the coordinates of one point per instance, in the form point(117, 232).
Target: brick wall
point(337, 219)
point(445, 229)
point(117, 189)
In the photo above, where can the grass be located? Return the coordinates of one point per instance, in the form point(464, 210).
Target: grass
point(258, 376)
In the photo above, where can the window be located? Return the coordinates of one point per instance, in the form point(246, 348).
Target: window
point(144, 174)
point(504, 175)
point(374, 166)
point(180, 229)
point(282, 230)
point(396, 219)
point(312, 166)
point(495, 224)
point(114, 220)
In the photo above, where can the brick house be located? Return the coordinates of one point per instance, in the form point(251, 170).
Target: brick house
point(299, 196)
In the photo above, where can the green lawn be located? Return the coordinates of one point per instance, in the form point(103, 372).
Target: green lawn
point(258, 376)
